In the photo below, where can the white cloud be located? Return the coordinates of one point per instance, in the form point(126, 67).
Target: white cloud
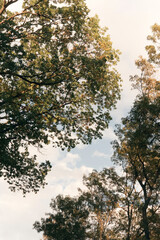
point(18, 214)
point(100, 154)
point(71, 159)
point(67, 173)
point(109, 134)
point(48, 152)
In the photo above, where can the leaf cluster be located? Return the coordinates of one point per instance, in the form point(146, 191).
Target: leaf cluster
point(57, 81)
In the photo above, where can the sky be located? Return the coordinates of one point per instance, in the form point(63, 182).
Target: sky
point(129, 22)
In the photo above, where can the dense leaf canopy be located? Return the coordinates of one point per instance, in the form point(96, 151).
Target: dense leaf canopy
point(68, 220)
point(57, 83)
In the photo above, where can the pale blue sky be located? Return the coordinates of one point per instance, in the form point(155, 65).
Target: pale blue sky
point(129, 23)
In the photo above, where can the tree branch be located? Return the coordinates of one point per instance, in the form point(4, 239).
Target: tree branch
point(38, 83)
point(6, 4)
point(144, 172)
point(16, 14)
point(25, 78)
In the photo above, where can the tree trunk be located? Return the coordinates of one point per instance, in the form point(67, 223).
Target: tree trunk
point(145, 223)
point(147, 198)
point(129, 221)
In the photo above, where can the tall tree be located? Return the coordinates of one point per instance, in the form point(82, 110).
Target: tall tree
point(138, 148)
point(57, 83)
point(138, 151)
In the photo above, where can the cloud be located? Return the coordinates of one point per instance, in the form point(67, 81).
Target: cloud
point(71, 159)
point(18, 214)
point(100, 154)
point(48, 152)
point(109, 134)
point(67, 174)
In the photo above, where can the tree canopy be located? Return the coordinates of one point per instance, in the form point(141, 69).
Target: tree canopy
point(138, 147)
point(57, 83)
point(138, 152)
point(87, 216)
point(108, 208)
point(127, 206)
point(68, 219)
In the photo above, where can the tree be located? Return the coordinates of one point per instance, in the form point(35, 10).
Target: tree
point(106, 209)
point(138, 151)
point(57, 84)
point(127, 206)
point(68, 220)
point(101, 201)
point(153, 49)
point(148, 82)
point(138, 148)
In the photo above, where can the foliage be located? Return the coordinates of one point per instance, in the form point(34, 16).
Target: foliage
point(68, 220)
point(127, 206)
point(138, 148)
point(138, 152)
point(113, 206)
point(148, 82)
point(104, 210)
point(109, 199)
point(57, 83)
